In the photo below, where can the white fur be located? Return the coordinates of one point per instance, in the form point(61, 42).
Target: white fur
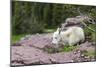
point(71, 36)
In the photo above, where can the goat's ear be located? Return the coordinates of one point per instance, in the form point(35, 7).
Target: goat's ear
point(59, 30)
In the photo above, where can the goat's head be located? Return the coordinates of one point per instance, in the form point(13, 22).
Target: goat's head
point(57, 36)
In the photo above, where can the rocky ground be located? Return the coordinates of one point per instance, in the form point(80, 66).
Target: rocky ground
point(34, 50)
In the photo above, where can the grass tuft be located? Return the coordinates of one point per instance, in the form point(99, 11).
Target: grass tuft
point(16, 38)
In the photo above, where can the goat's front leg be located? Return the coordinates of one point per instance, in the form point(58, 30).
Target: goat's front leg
point(71, 44)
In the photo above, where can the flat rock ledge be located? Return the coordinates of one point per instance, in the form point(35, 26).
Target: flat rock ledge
point(31, 52)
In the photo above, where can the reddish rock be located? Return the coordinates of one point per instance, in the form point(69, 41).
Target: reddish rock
point(31, 52)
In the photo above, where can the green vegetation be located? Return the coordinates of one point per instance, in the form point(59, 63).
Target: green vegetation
point(49, 30)
point(90, 33)
point(68, 48)
point(35, 17)
point(61, 49)
point(91, 54)
point(16, 38)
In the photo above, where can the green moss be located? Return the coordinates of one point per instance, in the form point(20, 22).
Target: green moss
point(68, 48)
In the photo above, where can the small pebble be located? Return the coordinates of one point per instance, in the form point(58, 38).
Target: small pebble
point(79, 51)
point(86, 57)
point(82, 55)
point(75, 52)
point(93, 59)
point(71, 60)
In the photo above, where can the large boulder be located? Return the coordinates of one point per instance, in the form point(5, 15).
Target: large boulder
point(77, 21)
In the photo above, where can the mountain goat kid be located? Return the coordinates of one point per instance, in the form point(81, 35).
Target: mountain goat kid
point(71, 36)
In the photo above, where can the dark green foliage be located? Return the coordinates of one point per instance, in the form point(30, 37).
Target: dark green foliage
point(89, 33)
point(35, 17)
